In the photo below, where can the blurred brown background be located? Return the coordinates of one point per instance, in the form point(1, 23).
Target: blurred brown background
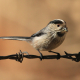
point(25, 17)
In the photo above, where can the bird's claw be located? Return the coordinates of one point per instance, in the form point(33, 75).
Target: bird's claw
point(58, 54)
point(41, 57)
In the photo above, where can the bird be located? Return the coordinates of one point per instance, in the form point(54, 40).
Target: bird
point(46, 39)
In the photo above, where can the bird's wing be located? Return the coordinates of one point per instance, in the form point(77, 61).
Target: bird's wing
point(15, 38)
point(39, 33)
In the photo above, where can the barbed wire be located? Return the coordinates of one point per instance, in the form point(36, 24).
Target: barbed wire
point(20, 55)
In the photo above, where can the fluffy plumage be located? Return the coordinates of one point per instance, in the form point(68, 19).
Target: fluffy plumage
point(47, 38)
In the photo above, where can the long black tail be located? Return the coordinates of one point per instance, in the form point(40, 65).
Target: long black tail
point(17, 38)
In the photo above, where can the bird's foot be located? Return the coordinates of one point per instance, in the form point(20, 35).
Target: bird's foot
point(58, 54)
point(41, 56)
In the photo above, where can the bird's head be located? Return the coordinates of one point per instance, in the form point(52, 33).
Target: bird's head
point(59, 26)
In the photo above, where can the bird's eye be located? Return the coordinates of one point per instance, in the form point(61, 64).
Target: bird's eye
point(58, 25)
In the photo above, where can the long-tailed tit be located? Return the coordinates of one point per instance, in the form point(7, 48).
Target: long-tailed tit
point(47, 38)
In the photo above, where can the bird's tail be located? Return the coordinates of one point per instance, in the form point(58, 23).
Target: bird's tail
point(17, 38)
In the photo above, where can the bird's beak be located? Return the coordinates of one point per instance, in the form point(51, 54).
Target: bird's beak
point(65, 29)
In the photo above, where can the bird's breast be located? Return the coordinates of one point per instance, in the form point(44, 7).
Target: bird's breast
point(47, 43)
point(55, 43)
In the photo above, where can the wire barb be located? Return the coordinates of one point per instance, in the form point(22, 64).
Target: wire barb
point(19, 56)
